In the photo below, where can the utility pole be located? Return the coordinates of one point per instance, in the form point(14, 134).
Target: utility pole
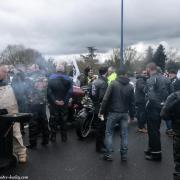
point(122, 35)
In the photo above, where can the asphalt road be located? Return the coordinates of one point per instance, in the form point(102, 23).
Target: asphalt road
point(77, 160)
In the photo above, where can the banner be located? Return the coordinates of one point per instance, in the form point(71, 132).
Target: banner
point(178, 74)
point(76, 72)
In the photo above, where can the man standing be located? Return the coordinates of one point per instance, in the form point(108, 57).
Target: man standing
point(156, 94)
point(37, 98)
point(111, 75)
point(140, 101)
point(175, 82)
point(19, 86)
point(175, 85)
point(171, 111)
point(99, 87)
point(59, 93)
point(118, 101)
point(8, 101)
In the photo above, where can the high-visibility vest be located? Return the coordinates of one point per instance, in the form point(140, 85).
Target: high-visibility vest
point(112, 77)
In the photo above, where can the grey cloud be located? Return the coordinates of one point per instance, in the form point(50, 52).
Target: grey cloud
point(68, 26)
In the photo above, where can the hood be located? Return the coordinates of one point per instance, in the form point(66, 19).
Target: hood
point(102, 77)
point(123, 80)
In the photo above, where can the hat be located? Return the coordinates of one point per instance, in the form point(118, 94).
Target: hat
point(172, 71)
point(122, 70)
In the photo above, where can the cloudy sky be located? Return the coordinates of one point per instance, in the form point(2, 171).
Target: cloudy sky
point(68, 26)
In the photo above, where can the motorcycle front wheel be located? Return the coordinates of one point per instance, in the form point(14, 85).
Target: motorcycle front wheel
point(84, 124)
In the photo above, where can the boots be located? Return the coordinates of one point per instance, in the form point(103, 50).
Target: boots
point(45, 141)
point(53, 137)
point(64, 137)
point(153, 156)
point(32, 145)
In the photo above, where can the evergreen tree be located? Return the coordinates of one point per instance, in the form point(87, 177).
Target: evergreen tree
point(89, 60)
point(160, 57)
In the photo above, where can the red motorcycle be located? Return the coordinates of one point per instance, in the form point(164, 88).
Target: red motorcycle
point(75, 104)
point(82, 111)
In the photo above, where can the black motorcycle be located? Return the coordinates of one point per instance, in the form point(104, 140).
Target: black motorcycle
point(85, 117)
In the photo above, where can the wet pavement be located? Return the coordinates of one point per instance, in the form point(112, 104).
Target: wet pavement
point(77, 160)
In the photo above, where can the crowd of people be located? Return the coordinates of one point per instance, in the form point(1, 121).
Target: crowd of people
point(155, 96)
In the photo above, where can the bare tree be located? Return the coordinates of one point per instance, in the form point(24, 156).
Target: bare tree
point(173, 55)
point(18, 54)
point(130, 57)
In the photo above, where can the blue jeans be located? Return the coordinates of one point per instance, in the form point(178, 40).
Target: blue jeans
point(112, 120)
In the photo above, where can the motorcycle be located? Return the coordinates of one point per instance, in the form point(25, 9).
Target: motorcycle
point(75, 104)
point(84, 118)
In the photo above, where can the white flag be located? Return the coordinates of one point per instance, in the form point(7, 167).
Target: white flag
point(76, 72)
point(178, 74)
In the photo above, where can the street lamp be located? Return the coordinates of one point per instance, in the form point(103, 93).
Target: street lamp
point(122, 34)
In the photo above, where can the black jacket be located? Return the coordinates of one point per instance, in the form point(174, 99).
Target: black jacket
point(140, 90)
point(157, 90)
point(119, 97)
point(98, 89)
point(171, 110)
point(59, 88)
point(175, 84)
point(171, 107)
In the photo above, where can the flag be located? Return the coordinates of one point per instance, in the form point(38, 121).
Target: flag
point(76, 72)
point(178, 74)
